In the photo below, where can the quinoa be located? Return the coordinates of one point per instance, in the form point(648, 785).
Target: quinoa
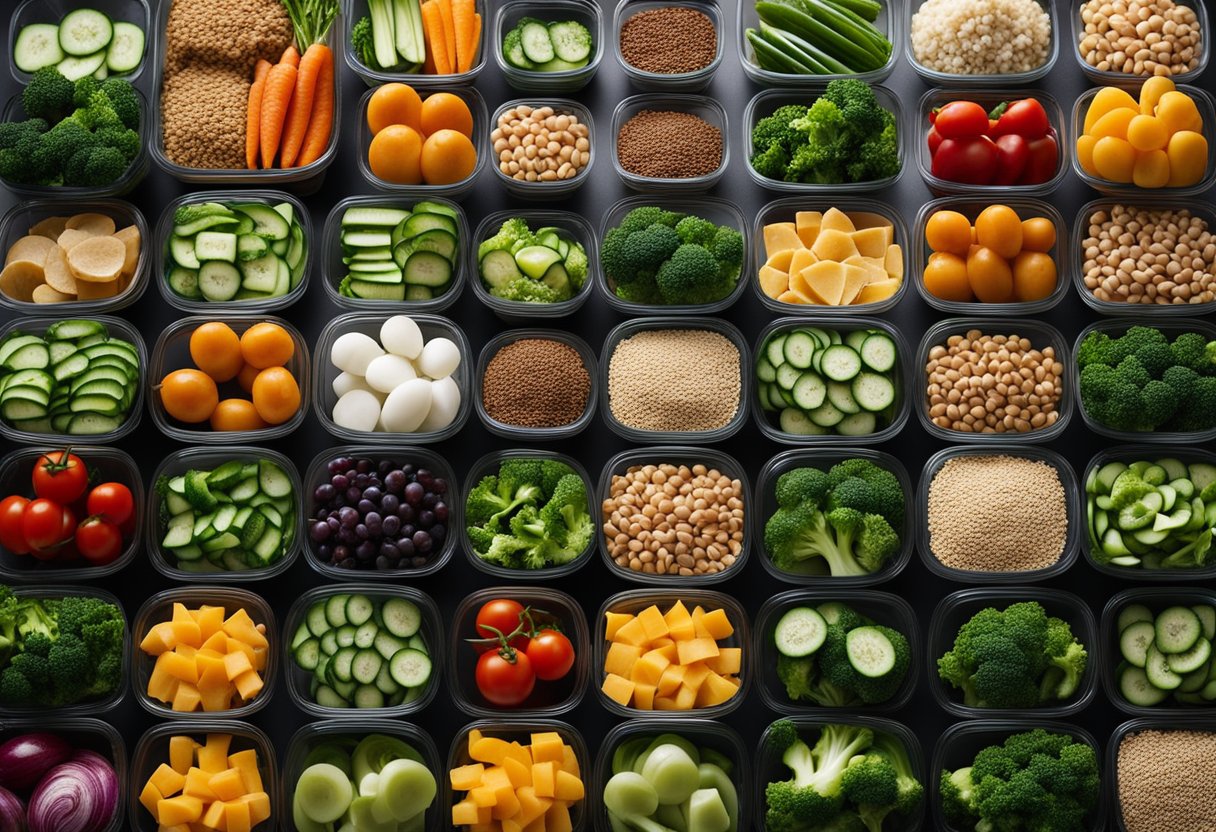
point(1165, 781)
point(664, 144)
point(536, 383)
point(981, 37)
point(670, 40)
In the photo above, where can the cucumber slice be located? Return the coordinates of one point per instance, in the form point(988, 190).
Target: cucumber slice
point(410, 668)
point(126, 51)
point(800, 632)
point(534, 39)
point(796, 423)
point(1157, 669)
point(1135, 641)
point(84, 32)
point(1136, 688)
point(1192, 659)
point(870, 652)
point(218, 281)
point(840, 363)
point(37, 46)
point(798, 350)
point(809, 391)
point(879, 352)
point(373, 217)
point(267, 221)
point(401, 617)
point(571, 41)
point(1177, 630)
point(1207, 617)
point(873, 392)
point(857, 424)
point(1131, 614)
point(74, 68)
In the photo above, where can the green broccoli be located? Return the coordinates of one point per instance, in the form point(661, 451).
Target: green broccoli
point(727, 248)
point(124, 100)
point(878, 157)
point(645, 216)
point(696, 230)
point(1193, 351)
point(526, 290)
point(48, 95)
point(882, 783)
point(635, 257)
point(65, 139)
point(659, 257)
point(797, 676)
point(813, 795)
point(799, 485)
point(83, 89)
point(871, 489)
point(94, 167)
point(566, 517)
point(121, 139)
point(690, 276)
point(821, 159)
point(775, 131)
point(771, 162)
point(857, 104)
point(511, 232)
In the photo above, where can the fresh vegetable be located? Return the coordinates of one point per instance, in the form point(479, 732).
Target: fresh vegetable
point(659, 257)
point(670, 661)
point(1017, 657)
point(852, 778)
point(667, 781)
point(517, 646)
point(1155, 514)
point(1014, 144)
point(419, 141)
point(844, 136)
point(547, 265)
point(531, 514)
point(1009, 261)
point(205, 787)
point(1166, 653)
point(58, 651)
point(818, 37)
point(363, 652)
point(25, 758)
point(510, 784)
point(442, 38)
point(78, 795)
point(540, 46)
point(60, 476)
point(82, 39)
point(67, 259)
point(1034, 780)
point(397, 254)
point(1142, 382)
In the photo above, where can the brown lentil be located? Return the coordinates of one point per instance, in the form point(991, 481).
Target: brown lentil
point(669, 41)
point(674, 380)
point(1165, 781)
point(993, 384)
point(1145, 255)
point(536, 383)
point(211, 47)
point(674, 520)
point(1140, 37)
point(539, 144)
point(669, 145)
point(997, 514)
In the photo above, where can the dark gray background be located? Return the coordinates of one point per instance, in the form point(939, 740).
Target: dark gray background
point(594, 583)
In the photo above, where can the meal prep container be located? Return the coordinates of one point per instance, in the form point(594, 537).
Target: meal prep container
point(544, 191)
point(703, 107)
point(1110, 792)
point(53, 11)
point(353, 10)
point(586, 12)
point(694, 81)
point(933, 78)
point(1123, 79)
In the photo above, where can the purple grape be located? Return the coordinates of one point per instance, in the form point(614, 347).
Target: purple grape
point(390, 525)
point(426, 518)
point(422, 542)
point(384, 467)
point(334, 523)
point(414, 492)
point(361, 532)
point(405, 546)
point(320, 531)
point(372, 494)
point(348, 517)
point(324, 552)
point(383, 564)
point(362, 480)
point(340, 482)
point(366, 551)
point(324, 493)
point(363, 466)
point(408, 469)
point(439, 485)
point(346, 535)
point(407, 530)
point(406, 512)
point(430, 500)
point(341, 552)
point(441, 511)
point(394, 481)
point(390, 550)
point(389, 504)
point(353, 495)
point(439, 533)
point(364, 506)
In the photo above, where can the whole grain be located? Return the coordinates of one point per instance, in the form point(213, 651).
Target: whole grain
point(1140, 37)
point(664, 144)
point(1165, 781)
point(981, 37)
point(536, 383)
point(539, 144)
point(670, 40)
point(1147, 255)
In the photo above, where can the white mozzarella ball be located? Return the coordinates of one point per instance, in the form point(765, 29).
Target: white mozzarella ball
point(387, 372)
point(353, 351)
point(407, 406)
point(357, 410)
point(401, 336)
point(440, 357)
point(445, 403)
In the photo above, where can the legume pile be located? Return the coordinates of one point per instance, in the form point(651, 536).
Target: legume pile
point(981, 37)
point(997, 513)
point(675, 380)
point(669, 145)
point(674, 520)
point(671, 40)
point(981, 383)
point(540, 144)
point(1165, 781)
point(1140, 37)
point(536, 383)
point(1145, 255)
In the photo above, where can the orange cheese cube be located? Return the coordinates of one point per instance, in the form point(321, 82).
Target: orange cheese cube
point(632, 632)
point(159, 639)
point(544, 777)
point(464, 813)
point(613, 622)
point(213, 756)
point(546, 746)
point(488, 750)
point(167, 781)
point(728, 661)
point(506, 803)
point(228, 784)
point(198, 784)
point(248, 684)
point(181, 753)
point(618, 689)
point(150, 798)
point(237, 816)
point(679, 621)
point(186, 698)
point(180, 809)
point(259, 806)
point(621, 658)
point(569, 761)
point(214, 816)
point(517, 772)
point(717, 624)
point(569, 788)
point(643, 697)
point(696, 650)
point(236, 663)
point(652, 622)
point(210, 621)
point(467, 777)
point(557, 819)
point(246, 762)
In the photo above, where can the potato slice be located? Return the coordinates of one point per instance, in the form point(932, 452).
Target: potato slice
point(773, 281)
point(32, 248)
point(20, 278)
point(51, 227)
point(130, 238)
point(97, 260)
point(99, 225)
point(835, 245)
point(58, 275)
point(72, 237)
point(836, 220)
point(96, 291)
point(46, 294)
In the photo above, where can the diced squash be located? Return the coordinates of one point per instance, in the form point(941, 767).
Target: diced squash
point(186, 698)
point(210, 620)
point(506, 804)
point(893, 262)
point(613, 622)
point(259, 806)
point(248, 684)
point(198, 784)
point(664, 703)
point(464, 812)
point(855, 278)
point(547, 746)
point(211, 670)
point(519, 773)
point(161, 685)
point(780, 260)
point(824, 281)
point(213, 817)
point(569, 788)
point(557, 819)
point(521, 754)
point(650, 667)
point(484, 796)
point(150, 798)
point(670, 681)
point(800, 259)
point(213, 756)
point(215, 699)
point(774, 281)
point(715, 690)
point(530, 806)
point(695, 674)
point(569, 761)
point(180, 809)
point(621, 657)
point(833, 245)
point(717, 622)
point(652, 623)
point(696, 650)
point(181, 753)
point(475, 737)
point(686, 698)
point(227, 785)
point(236, 663)
point(158, 639)
point(466, 777)
point(836, 220)
point(489, 750)
point(880, 290)
point(643, 696)
point(666, 649)
point(179, 667)
point(544, 776)
point(511, 825)
point(728, 661)
point(167, 781)
point(240, 626)
point(494, 778)
point(779, 236)
point(807, 224)
point(246, 762)
point(873, 242)
point(186, 633)
point(237, 816)
point(618, 689)
point(632, 632)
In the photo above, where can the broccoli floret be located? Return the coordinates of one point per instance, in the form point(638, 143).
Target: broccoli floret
point(641, 253)
point(857, 103)
point(1193, 351)
point(1160, 402)
point(125, 101)
point(1096, 348)
point(775, 130)
point(822, 158)
point(690, 276)
point(727, 249)
point(361, 41)
point(121, 139)
point(868, 497)
point(83, 89)
point(878, 157)
point(1198, 411)
point(511, 232)
point(813, 795)
point(800, 485)
point(94, 167)
point(796, 675)
point(15, 688)
point(507, 524)
point(491, 499)
point(576, 264)
point(14, 133)
point(646, 293)
point(551, 473)
point(480, 538)
point(48, 95)
point(566, 517)
point(645, 216)
point(696, 230)
point(526, 290)
point(881, 783)
point(1131, 371)
point(772, 162)
point(65, 139)
point(1110, 399)
point(1156, 358)
point(802, 533)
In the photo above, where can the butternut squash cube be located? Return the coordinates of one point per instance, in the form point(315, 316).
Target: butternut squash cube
point(666, 649)
point(643, 696)
point(873, 242)
point(670, 681)
point(800, 259)
point(621, 658)
point(150, 798)
point(869, 219)
point(237, 816)
point(715, 690)
point(547, 746)
point(248, 684)
point(506, 804)
point(686, 698)
point(186, 698)
point(494, 778)
point(618, 689)
point(240, 626)
point(569, 787)
point(679, 621)
point(179, 666)
point(530, 806)
point(855, 279)
point(652, 623)
point(218, 642)
point(246, 762)
point(728, 661)
point(695, 674)
point(198, 784)
point(161, 685)
point(632, 632)
point(557, 819)
point(467, 777)
point(180, 809)
point(650, 667)
point(779, 236)
point(893, 262)
point(569, 761)
point(664, 703)
point(167, 781)
point(796, 298)
point(484, 796)
point(613, 622)
point(464, 813)
point(696, 650)
point(521, 754)
point(181, 753)
point(213, 756)
point(159, 639)
point(213, 816)
point(544, 777)
point(717, 623)
point(228, 784)
point(834, 245)
point(774, 281)
point(210, 620)
point(489, 750)
point(236, 663)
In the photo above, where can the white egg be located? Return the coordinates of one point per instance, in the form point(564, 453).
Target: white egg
point(345, 382)
point(407, 406)
point(357, 410)
point(440, 357)
point(387, 372)
point(445, 403)
point(401, 336)
point(353, 351)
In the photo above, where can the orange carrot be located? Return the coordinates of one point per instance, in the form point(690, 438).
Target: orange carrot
point(300, 110)
point(437, 42)
point(449, 31)
point(474, 42)
point(254, 121)
point(280, 84)
point(291, 55)
point(321, 123)
point(462, 24)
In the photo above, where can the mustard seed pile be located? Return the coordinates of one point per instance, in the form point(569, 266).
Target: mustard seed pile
point(674, 520)
point(674, 380)
point(981, 37)
point(1146, 255)
point(1140, 37)
point(669, 41)
point(211, 47)
point(536, 383)
point(997, 513)
point(1165, 781)
point(669, 145)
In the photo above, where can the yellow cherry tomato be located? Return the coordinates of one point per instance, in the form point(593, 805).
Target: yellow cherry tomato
point(1152, 169)
point(1152, 91)
point(1034, 276)
point(1038, 234)
point(1188, 158)
point(946, 277)
point(1085, 154)
point(948, 231)
point(990, 276)
point(999, 228)
point(1114, 123)
point(1107, 99)
point(1178, 112)
point(1114, 159)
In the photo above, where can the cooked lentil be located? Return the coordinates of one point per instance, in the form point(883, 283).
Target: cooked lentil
point(1146, 255)
point(1165, 781)
point(669, 145)
point(674, 520)
point(669, 41)
point(536, 383)
point(997, 513)
point(674, 380)
point(539, 144)
point(981, 37)
point(1140, 37)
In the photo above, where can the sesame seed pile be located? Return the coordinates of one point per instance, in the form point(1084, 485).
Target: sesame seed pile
point(536, 383)
point(670, 40)
point(1165, 781)
point(669, 145)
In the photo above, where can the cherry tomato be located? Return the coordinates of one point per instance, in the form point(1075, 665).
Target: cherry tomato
point(1044, 156)
point(99, 541)
point(60, 476)
point(551, 654)
point(1025, 118)
point(961, 120)
point(1012, 155)
point(505, 682)
point(970, 161)
point(112, 500)
point(501, 614)
point(46, 523)
point(127, 527)
point(12, 537)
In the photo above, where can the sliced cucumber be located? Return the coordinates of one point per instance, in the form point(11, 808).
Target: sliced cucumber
point(800, 632)
point(85, 32)
point(870, 652)
point(1177, 630)
point(126, 50)
point(37, 46)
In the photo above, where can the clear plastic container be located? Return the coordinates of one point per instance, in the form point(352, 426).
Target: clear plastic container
point(934, 78)
point(432, 326)
point(53, 11)
point(957, 608)
point(703, 733)
point(900, 375)
point(17, 222)
point(172, 352)
point(718, 211)
point(164, 264)
point(1189, 722)
point(971, 207)
point(824, 459)
point(630, 328)
point(987, 194)
point(431, 631)
point(91, 707)
point(763, 104)
point(421, 457)
point(785, 210)
point(884, 608)
point(1041, 335)
point(316, 734)
point(957, 746)
point(1072, 503)
point(1187, 453)
point(456, 190)
point(558, 188)
point(1115, 327)
point(488, 465)
point(333, 269)
point(152, 750)
point(548, 699)
point(1206, 105)
point(105, 465)
point(159, 608)
point(703, 107)
point(673, 455)
point(634, 601)
point(207, 459)
point(353, 10)
point(118, 328)
point(586, 12)
point(770, 768)
point(572, 224)
point(694, 81)
point(1123, 79)
point(1080, 232)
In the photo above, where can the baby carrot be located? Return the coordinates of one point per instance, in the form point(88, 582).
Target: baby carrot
point(280, 84)
point(254, 122)
point(321, 123)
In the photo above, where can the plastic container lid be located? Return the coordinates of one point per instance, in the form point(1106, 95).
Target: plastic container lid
point(53, 11)
point(353, 10)
point(694, 81)
point(544, 190)
point(1124, 79)
point(586, 12)
point(933, 77)
point(703, 107)
point(1189, 722)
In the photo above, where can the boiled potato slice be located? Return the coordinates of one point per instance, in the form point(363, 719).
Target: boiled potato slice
point(32, 248)
point(51, 227)
point(45, 294)
point(99, 225)
point(20, 278)
point(57, 274)
point(97, 260)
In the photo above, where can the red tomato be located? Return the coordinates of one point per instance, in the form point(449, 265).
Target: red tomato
point(970, 161)
point(46, 523)
point(12, 537)
point(1044, 156)
point(112, 500)
point(961, 120)
point(505, 682)
point(935, 141)
point(503, 615)
point(1012, 155)
point(551, 654)
point(60, 476)
point(1025, 118)
point(99, 541)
